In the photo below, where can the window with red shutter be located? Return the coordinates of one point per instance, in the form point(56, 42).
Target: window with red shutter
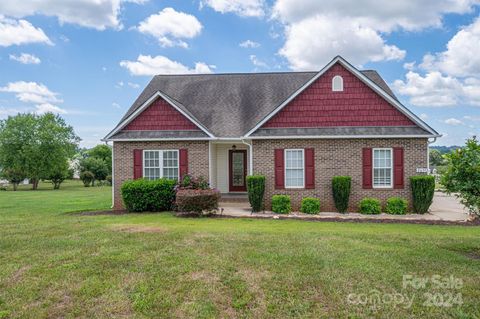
point(279, 163)
point(137, 164)
point(309, 168)
point(367, 167)
point(398, 171)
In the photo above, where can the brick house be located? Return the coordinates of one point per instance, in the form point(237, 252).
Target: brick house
point(299, 129)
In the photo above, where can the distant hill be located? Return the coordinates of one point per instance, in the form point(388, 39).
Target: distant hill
point(445, 149)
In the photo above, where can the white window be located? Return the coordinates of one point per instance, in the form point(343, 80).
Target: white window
point(382, 167)
point(337, 83)
point(294, 168)
point(158, 164)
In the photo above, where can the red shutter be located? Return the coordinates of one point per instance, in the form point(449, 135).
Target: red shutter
point(367, 167)
point(398, 167)
point(183, 162)
point(137, 164)
point(279, 169)
point(309, 168)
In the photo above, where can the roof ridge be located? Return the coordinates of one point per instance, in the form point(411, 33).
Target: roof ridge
point(237, 73)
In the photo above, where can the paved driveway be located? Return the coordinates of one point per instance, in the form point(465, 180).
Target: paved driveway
point(448, 207)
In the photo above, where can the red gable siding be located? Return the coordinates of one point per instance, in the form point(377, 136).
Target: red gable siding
point(160, 116)
point(319, 106)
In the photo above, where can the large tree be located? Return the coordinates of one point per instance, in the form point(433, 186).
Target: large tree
point(103, 152)
point(39, 146)
point(462, 176)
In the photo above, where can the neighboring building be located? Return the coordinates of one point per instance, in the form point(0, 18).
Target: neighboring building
point(299, 129)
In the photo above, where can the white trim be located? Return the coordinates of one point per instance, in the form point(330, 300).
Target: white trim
point(160, 139)
point(250, 156)
point(364, 79)
point(285, 167)
point(391, 167)
point(210, 168)
point(336, 137)
point(145, 105)
point(160, 161)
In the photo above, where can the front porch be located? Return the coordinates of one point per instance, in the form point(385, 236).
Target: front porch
point(230, 163)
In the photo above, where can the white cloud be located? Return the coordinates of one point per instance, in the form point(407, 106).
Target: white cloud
point(249, 44)
point(424, 116)
point(119, 84)
point(472, 118)
point(5, 112)
point(409, 66)
point(316, 31)
point(148, 65)
point(461, 57)
point(433, 89)
point(133, 85)
point(313, 42)
point(243, 8)
point(116, 105)
point(97, 14)
point(257, 62)
point(25, 58)
point(49, 108)
point(18, 32)
point(453, 121)
point(169, 26)
point(31, 92)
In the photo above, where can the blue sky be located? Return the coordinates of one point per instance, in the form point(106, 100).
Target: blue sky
point(89, 59)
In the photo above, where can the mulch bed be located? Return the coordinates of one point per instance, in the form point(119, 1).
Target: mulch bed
point(310, 219)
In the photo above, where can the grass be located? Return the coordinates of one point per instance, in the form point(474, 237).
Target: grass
point(59, 265)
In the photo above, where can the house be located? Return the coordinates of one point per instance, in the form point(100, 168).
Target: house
point(299, 129)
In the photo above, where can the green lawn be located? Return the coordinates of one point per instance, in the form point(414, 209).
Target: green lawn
point(58, 265)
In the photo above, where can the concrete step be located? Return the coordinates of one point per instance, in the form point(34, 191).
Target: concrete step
point(234, 198)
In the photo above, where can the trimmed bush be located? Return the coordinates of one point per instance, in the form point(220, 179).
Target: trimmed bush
point(256, 191)
point(281, 204)
point(143, 195)
point(370, 206)
point(310, 205)
point(341, 186)
point(197, 201)
point(423, 187)
point(396, 206)
point(190, 182)
point(87, 178)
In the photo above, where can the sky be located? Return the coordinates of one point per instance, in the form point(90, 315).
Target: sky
point(88, 60)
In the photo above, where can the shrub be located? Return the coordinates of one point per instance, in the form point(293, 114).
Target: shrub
point(341, 192)
point(197, 201)
point(142, 195)
point(396, 206)
point(87, 178)
point(310, 205)
point(281, 204)
point(370, 206)
point(190, 182)
point(256, 191)
point(423, 187)
point(109, 179)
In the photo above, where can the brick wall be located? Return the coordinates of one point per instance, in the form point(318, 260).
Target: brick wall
point(123, 164)
point(337, 157)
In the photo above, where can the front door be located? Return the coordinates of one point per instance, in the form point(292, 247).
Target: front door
point(237, 160)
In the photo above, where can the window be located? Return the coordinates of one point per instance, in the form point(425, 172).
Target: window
point(158, 164)
point(337, 83)
point(382, 167)
point(294, 168)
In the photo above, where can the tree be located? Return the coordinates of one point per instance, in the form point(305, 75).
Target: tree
point(103, 152)
point(58, 174)
point(463, 175)
point(96, 166)
point(14, 176)
point(436, 158)
point(36, 145)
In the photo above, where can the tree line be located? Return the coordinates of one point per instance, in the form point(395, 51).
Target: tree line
point(44, 147)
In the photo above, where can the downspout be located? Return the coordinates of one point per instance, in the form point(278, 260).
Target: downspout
point(113, 175)
point(428, 153)
point(250, 156)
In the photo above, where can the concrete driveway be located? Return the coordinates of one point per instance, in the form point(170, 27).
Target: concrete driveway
point(448, 207)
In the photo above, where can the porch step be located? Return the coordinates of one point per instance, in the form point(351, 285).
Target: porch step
point(233, 198)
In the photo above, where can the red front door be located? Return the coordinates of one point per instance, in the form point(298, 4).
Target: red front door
point(237, 163)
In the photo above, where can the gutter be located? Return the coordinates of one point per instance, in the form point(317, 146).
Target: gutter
point(250, 156)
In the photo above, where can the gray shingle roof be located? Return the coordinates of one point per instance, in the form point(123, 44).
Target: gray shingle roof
point(229, 105)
